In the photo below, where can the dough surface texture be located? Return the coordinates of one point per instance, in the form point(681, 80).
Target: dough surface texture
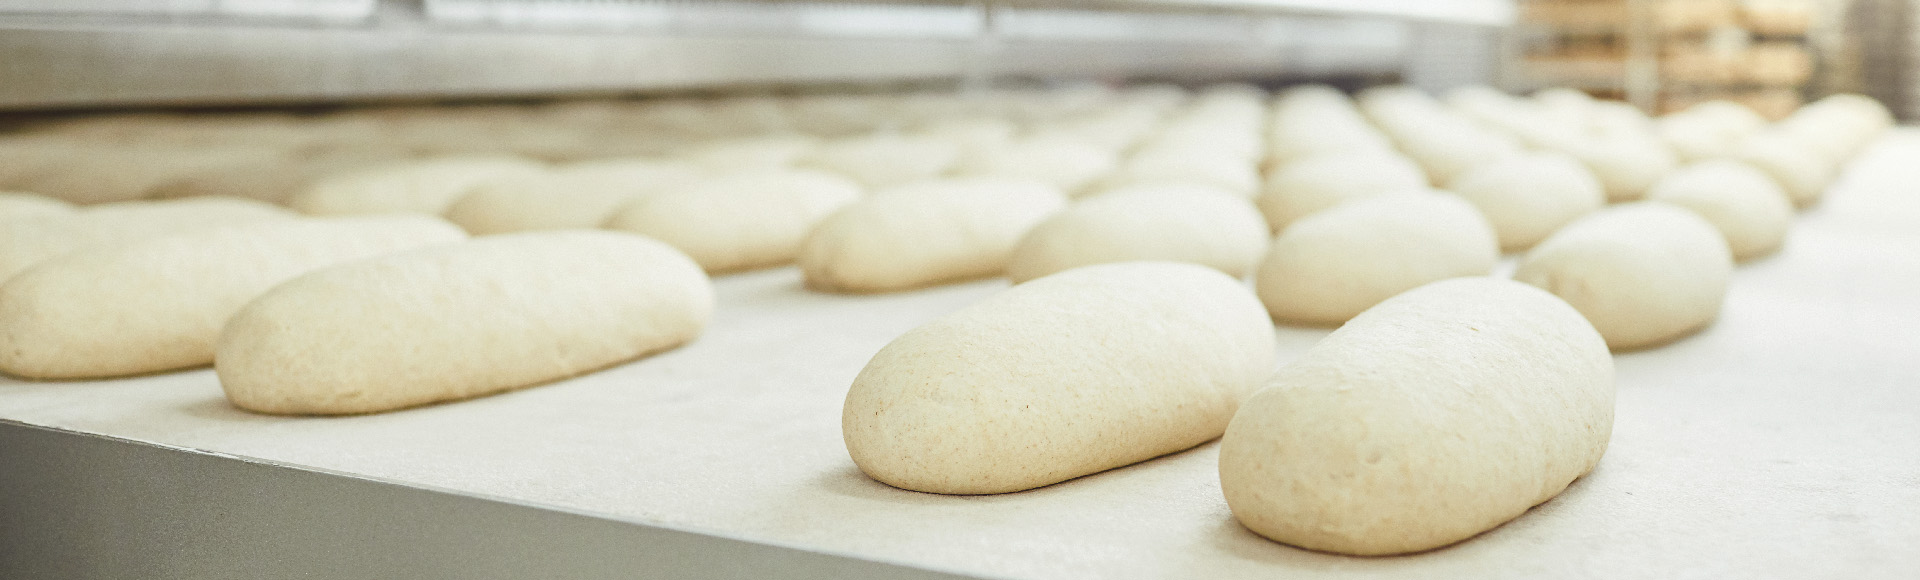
point(169, 296)
point(572, 197)
point(1435, 416)
point(1332, 265)
point(28, 242)
point(459, 321)
point(742, 221)
point(1317, 182)
point(1527, 197)
point(924, 234)
point(1072, 374)
point(1217, 229)
point(1748, 208)
point(422, 186)
point(1643, 273)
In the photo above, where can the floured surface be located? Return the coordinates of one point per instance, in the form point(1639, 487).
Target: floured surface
point(1782, 442)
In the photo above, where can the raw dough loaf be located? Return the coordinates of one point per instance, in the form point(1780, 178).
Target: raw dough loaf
point(27, 242)
point(1313, 183)
point(1075, 373)
point(1748, 208)
point(1067, 163)
point(739, 222)
point(1642, 273)
point(752, 153)
point(15, 205)
point(573, 197)
point(1212, 228)
point(1626, 165)
point(1332, 265)
point(425, 186)
point(458, 321)
point(1798, 170)
point(1434, 416)
point(924, 234)
point(883, 160)
point(170, 295)
point(1205, 166)
point(1529, 196)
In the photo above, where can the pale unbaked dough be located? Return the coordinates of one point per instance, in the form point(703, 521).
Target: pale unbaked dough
point(24, 243)
point(1801, 172)
point(1430, 418)
point(739, 222)
point(16, 205)
point(425, 186)
point(1218, 229)
point(170, 295)
point(1748, 208)
point(883, 160)
point(1626, 165)
point(1067, 163)
point(459, 321)
point(577, 196)
point(1330, 266)
point(924, 234)
point(1188, 165)
point(1317, 182)
point(1075, 373)
point(1527, 197)
point(1642, 273)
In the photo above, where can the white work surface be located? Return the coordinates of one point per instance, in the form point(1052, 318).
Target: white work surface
point(1783, 442)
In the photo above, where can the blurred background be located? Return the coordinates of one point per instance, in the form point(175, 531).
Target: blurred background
point(1661, 55)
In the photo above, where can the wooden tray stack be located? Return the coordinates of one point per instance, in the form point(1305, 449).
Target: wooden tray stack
point(1666, 55)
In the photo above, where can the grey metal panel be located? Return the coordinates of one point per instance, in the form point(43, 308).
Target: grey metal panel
point(87, 507)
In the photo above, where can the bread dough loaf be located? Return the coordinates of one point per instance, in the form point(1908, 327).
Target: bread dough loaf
point(1430, 418)
point(1642, 273)
point(1749, 209)
point(1069, 164)
point(924, 234)
point(1075, 373)
point(742, 221)
point(425, 186)
point(24, 243)
point(459, 321)
point(1318, 182)
point(1332, 265)
point(1212, 228)
point(1627, 166)
point(1799, 171)
point(14, 205)
point(171, 294)
point(883, 160)
point(762, 152)
point(573, 197)
point(1188, 165)
point(1527, 197)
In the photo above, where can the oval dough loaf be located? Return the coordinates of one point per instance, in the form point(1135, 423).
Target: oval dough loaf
point(1748, 208)
point(1334, 264)
point(171, 294)
point(24, 243)
point(1218, 229)
point(1798, 170)
point(924, 234)
point(1075, 373)
point(883, 160)
point(426, 186)
point(459, 321)
point(1434, 416)
point(1642, 273)
point(1529, 196)
point(739, 222)
point(1318, 182)
point(572, 197)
